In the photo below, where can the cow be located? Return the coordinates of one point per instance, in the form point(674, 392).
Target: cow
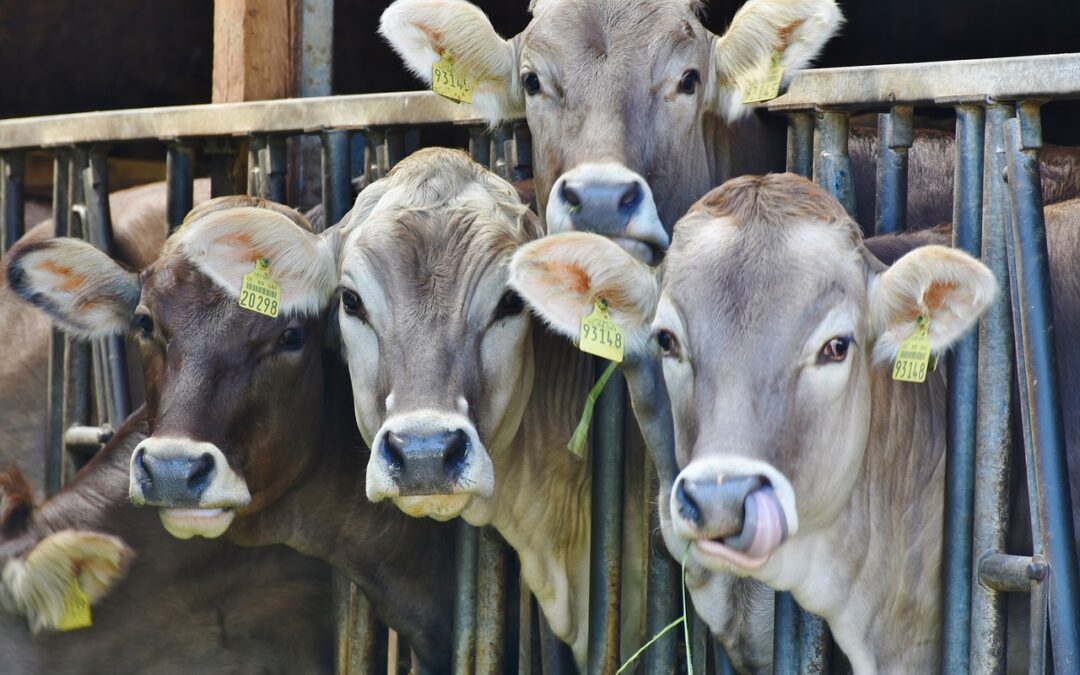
point(636, 109)
point(204, 606)
point(800, 461)
point(250, 416)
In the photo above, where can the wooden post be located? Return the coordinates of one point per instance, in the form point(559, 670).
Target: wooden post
point(253, 49)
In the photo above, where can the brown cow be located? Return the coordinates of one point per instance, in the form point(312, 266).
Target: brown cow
point(251, 419)
point(206, 606)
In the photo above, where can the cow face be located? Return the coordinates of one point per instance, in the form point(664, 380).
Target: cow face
point(772, 320)
point(617, 94)
point(439, 349)
point(221, 380)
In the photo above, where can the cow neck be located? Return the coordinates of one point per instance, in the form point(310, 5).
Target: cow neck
point(890, 529)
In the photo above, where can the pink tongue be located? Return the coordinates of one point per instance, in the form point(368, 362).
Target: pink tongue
point(770, 524)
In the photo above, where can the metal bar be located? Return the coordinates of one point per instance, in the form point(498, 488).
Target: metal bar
point(255, 180)
point(180, 183)
point(55, 457)
point(490, 603)
point(723, 663)
point(963, 377)
point(465, 601)
point(394, 147)
point(522, 168)
point(555, 655)
point(832, 166)
point(480, 145)
point(527, 629)
point(1023, 139)
point(993, 437)
point(605, 551)
point(894, 139)
point(785, 635)
point(77, 360)
point(800, 143)
point(355, 622)
point(662, 584)
point(337, 192)
point(1037, 629)
point(1011, 573)
point(815, 645)
point(700, 640)
point(223, 156)
point(88, 436)
point(14, 177)
point(273, 163)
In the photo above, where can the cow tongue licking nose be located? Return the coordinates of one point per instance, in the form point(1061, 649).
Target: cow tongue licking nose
point(737, 518)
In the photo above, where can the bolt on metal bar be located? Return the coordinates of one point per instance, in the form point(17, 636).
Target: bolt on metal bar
point(14, 177)
point(963, 377)
point(1023, 139)
point(337, 189)
point(894, 139)
point(800, 143)
point(1011, 573)
point(993, 433)
point(465, 601)
point(832, 165)
point(89, 437)
point(491, 603)
point(55, 457)
point(607, 454)
point(180, 183)
point(273, 164)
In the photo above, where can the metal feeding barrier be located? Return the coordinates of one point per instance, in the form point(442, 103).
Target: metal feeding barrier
point(997, 216)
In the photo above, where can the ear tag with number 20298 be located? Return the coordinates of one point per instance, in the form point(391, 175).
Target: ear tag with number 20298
point(599, 334)
point(913, 357)
point(448, 83)
point(259, 293)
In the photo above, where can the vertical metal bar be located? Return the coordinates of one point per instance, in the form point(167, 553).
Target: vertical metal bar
point(490, 603)
point(555, 655)
point(1024, 138)
point(499, 140)
point(223, 155)
point(662, 584)
point(480, 145)
point(180, 183)
point(394, 142)
point(963, 377)
point(527, 626)
point(355, 621)
point(894, 139)
point(336, 180)
point(700, 640)
point(273, 163)
point(993, 437)
point(832, 165)
point(605, 552)
point(785, 636)
point(77, 385)
point(814, 644)
point(14, 174)
point(723, 663)
point(522, 168)
point(465, 602)
point(800, 143)
point(256, 184)
point(375, 155)
point(55, 457)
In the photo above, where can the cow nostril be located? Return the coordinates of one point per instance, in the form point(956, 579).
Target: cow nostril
point(570, 196)
point(457, 448)
point(688, 508)
point(392, 451)
point(140, 465)
point(201, 471)
point(631, 197)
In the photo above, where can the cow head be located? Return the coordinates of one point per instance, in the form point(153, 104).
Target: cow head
point(221, 380)
point(777, 329)
point(439, 349)
point(620, 95)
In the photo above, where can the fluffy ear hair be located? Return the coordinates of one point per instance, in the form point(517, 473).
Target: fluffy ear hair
point(946, 285)
point(36, 585)
point(561, 275)
point(226, 243)
point(421, 31)
point(743, 54)
point(85, 291)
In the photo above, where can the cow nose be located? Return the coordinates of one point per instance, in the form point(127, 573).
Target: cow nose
point(426, 464)
point(714, 507)
point(173, 481)
point(604, 207)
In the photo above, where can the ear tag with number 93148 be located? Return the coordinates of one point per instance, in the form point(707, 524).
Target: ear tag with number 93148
point(913, 357)
point(76, 608)
point(259, 293)
point(599, 334)
point(768, 88)
point(448, 83)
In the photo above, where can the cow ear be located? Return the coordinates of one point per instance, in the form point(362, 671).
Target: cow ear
point(85, 291)
point(38, 585)
point(227, 244)
point(562, 275)
point(943, 284)
point(797, 29)
point(422, 31)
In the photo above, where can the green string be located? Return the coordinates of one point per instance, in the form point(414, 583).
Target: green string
point(682, 619)
point(581, 434)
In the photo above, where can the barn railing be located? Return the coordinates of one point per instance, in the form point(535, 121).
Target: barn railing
point(997, 126)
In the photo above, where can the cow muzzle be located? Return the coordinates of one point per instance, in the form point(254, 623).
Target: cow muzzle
point(611, 200)
point(192, 484)
point(736, 513)
point(430, 464)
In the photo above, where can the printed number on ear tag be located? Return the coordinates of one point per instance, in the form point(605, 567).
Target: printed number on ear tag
point(914, 355)
point(448, 83)
point(259, 293)
point(768, 88)
point(76, 608)
point(599, 334)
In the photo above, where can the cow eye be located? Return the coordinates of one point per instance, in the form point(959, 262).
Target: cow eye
point(510, 304)
point(146, 324)
point(689, 81)
point(835, 350)
point(292, 339)
point(352, 305)
point(669, 344)
point(530, 82)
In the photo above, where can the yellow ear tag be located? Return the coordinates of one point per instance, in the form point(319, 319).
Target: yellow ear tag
point(599, 334)
point(768, 88)
point(76, 608)
point(448, 83)
point(259, 293)
point(914, 354)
